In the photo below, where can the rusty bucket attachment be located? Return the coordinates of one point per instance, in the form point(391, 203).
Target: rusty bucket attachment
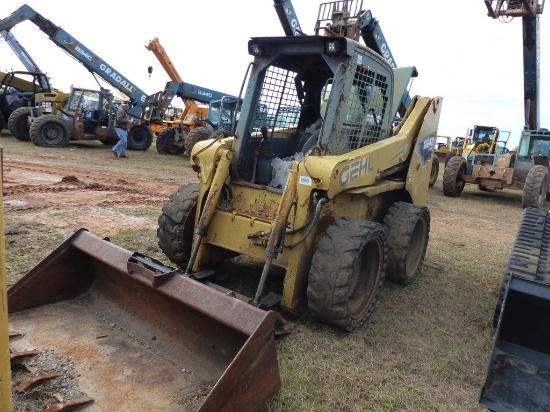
point(143, 336)
point(518, 372)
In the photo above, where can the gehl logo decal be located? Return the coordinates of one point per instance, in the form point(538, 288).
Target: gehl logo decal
point(354, 171)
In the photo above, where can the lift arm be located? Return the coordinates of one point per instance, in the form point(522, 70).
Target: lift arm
point(288, 18)
point(81, 53)
point(529, 11)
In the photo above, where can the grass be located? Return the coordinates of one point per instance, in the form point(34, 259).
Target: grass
point(426, 345)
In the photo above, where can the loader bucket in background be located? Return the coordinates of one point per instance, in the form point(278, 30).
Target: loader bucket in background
point(518, 373)
point(143, 336)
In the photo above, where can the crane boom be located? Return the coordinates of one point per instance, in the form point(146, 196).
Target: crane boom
point(288, 17)
point(81, 53)
point(161, 55)
point(529, 11)
point(20, 52)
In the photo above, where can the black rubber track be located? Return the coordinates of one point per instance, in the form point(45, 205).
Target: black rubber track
point(176, 224)
point(408, 228)
point(530, 253)
point(347, 272)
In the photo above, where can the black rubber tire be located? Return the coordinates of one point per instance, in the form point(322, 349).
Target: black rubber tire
point(434, 172)
point(530, 253)
point(196, 135)
point(165, 142)
point(140, 138)
point(177, 223)
point(453, 176)
point(535, 187)
point(448, 156)
point(18, 123)
point(49, 131)
point(408, 228)
point(347, 272)
point(2, 122)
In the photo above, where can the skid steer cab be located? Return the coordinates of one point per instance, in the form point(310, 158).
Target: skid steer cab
point(326, 189)
point(88, 115)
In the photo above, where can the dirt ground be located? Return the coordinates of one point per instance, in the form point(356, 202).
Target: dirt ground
point(48, 194)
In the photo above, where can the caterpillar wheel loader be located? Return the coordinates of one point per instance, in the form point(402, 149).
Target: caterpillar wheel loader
point(348, 207)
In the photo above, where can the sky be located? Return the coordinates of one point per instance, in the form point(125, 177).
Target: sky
point(475, 63)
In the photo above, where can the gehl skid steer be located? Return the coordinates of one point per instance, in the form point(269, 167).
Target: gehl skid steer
point(327, 190)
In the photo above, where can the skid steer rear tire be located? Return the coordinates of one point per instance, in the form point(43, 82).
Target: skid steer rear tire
point(408, 228)
point(347, 272)
point(434, 172)
point(176, 224)
point(49, 131)
point(453, 176)
point(18, 123)
point(535, 187)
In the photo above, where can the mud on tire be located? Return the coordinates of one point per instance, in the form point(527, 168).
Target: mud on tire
point(176, 224)
point(165, 142)
point(196, 135)
point(408, 228)
point(434, 172)
point(453, 176)
point(535, 187)
point(347, 272)
point(49, 131)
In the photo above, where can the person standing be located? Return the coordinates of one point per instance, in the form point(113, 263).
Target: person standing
point(122, 126)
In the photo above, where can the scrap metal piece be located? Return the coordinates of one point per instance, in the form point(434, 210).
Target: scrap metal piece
point(33, 381)
point(70, 405)
point(16, 357)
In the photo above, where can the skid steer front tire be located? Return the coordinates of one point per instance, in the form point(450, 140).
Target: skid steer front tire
point(408, 228)
point(176, 224)
point(347, 272)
